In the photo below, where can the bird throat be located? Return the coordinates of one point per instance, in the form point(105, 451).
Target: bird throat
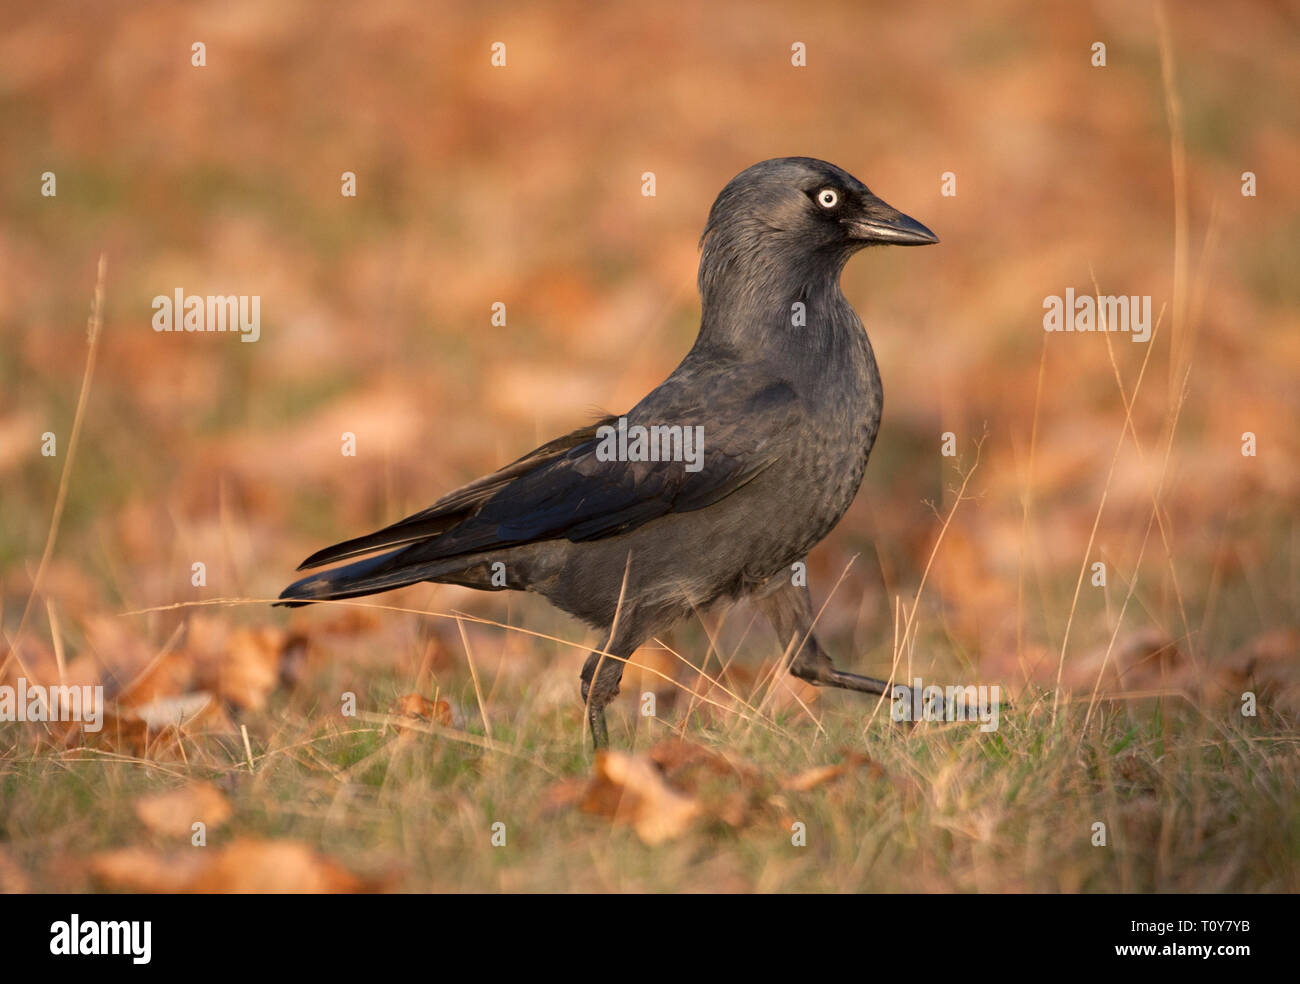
point(794, 313)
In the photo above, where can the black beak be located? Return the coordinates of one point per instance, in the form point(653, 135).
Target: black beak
point(887, 226)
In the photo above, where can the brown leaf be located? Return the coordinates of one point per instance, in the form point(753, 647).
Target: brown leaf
point(251, 866)
point(13, 880)
point(167, 675)
point(173, 813)
point(155, 727)
point(267, 866)
point(675, 754)
point(818, 775)
point(414, 708)
point(350, 621)
point(293, 659)
point(631, 790)
point(139, 869)
point(240, 665)
point(686, 763)
point(251, 669)
point(168, 712)
point(563, 794)
point(130, 659)
point(1267, 665)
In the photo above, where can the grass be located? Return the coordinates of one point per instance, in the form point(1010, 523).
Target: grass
point(1190, 803)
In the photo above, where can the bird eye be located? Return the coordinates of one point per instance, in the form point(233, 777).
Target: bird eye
point(827, 198)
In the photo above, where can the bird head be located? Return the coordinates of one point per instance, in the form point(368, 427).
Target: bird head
point(800, 215)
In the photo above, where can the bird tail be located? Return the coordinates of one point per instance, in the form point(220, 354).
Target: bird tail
point(366, 577)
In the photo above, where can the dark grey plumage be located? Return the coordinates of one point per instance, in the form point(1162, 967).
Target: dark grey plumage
point(789, 414)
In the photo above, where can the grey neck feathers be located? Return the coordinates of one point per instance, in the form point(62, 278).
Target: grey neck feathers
point(764, 300)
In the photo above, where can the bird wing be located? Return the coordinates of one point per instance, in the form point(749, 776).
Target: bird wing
point(453, 507)
point(565, 488)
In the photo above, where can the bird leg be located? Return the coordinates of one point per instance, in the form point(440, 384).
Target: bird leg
point(600, 678)
point(789, 609)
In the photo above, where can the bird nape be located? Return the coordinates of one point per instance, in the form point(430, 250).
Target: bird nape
point(716, 484)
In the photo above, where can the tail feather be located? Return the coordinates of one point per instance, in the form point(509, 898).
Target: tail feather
point(365, 577)
point(408, 531)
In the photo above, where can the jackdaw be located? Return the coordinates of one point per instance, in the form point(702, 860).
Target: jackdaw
point(712, 487)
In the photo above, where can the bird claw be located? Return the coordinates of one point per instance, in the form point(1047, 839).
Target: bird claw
point(910, 708)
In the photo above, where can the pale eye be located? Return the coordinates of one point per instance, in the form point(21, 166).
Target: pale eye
point(827, 198)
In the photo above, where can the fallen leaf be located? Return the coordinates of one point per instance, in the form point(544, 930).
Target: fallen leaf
point(168, 712)
point(293, 659)
point(245, 866)
point(156, 727)
point(415, 708)
point(563, 794)
point(173, 813)
point(13, 881)
point(675, 754)
point(169, 674)
point(240, 665)
point(264, 866)
point(139, 869)
point(1145, 659)
point(818, 775)
point(1267, 665)
point(631, 790)
point(251, 668)
point(687, 763)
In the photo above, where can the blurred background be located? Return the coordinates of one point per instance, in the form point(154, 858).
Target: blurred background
point(522, 185)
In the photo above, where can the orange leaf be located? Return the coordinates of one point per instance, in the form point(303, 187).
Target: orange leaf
point(249, 865)
point(631, 790)
point(173, 813)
